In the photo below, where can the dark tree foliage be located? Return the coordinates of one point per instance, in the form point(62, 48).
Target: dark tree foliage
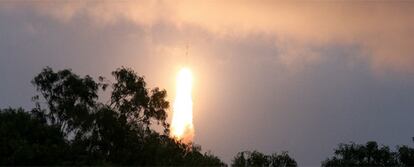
point(28, 140)
point(69, 98)
point(69, 126)
point(282, 160)
point(370, 154)
point(134, 102)
point(255, 158)
point(405, 156)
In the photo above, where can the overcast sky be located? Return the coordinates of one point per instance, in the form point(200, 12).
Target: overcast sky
point(301, 76)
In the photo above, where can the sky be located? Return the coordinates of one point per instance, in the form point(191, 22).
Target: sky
point(300, 76)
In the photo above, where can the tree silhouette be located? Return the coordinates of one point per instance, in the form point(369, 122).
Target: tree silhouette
point(370, 154)
point(406, 155)
point(255, 158)
point(282, 160)
point(69, 126)
point(29, 140)
point(70, 99)
point(135, 102)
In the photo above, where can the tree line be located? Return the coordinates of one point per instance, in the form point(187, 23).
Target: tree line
point(68, 125)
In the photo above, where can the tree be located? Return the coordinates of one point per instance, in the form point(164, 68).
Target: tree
point(135, 103)
point(29, 140)
point(282, 160)
point(89, 132)
point(70, 99)
point(370, 154)
point(406, 155)
point(255, 158)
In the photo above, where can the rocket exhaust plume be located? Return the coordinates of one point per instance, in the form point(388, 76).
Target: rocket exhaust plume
point(182, 122)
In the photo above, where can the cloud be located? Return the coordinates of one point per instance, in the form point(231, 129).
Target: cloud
point(381, 29)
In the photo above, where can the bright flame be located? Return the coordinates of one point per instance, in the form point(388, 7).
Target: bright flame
point(182, 121)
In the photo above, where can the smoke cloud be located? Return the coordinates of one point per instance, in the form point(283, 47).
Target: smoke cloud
point(382, 30)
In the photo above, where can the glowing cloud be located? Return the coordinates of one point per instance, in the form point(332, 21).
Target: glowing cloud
point(381, 29)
